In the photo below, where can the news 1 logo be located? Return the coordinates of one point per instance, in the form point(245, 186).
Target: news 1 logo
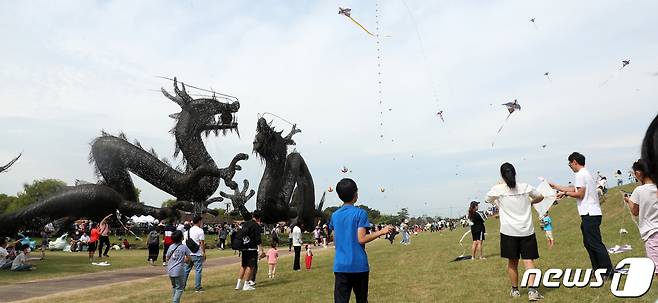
point(639, 276)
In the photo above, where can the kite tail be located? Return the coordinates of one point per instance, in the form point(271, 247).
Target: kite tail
point(361, 26)
point(500, 129)
point(462, 240)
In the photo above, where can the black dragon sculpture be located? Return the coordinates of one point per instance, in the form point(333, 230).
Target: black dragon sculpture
point(114, 157)
point(286, 191)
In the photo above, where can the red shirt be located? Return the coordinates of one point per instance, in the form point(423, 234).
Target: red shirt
point(94, 235)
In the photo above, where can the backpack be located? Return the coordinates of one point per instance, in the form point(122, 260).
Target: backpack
point(153, 238)
point(236, 239)
point(190, 243)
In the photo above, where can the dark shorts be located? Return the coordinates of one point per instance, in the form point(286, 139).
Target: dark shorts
point(346, 283)
point(513, 247)
point(249, 258)
point(92, 246)
point(478, 234)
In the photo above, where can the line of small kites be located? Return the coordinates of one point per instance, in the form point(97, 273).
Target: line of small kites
point(511, 106)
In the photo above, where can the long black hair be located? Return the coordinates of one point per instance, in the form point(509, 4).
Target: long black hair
point(650, 150)
point(508, 173)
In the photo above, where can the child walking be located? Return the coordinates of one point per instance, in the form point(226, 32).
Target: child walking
point(272, 258)
point(309, 257)
point(177, 255)
point(547, 225)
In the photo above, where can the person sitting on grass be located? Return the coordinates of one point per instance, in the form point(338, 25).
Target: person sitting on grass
point(349, 223)
point(125, 245)
point(176, 257)
point(84, 241)
point(5, 262)
point(517, 234)
point(21, 261)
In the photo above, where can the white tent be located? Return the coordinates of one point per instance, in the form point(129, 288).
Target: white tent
point(143, 219)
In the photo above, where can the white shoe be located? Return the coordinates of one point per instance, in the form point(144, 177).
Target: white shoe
point(248, 287)
point(239, 285)
point(251, 283)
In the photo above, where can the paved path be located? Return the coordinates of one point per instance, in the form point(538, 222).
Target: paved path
point(41, 288)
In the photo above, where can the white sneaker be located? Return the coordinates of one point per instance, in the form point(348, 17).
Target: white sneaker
point(514, 293)
point(248, 287)
point(239, 285)
point(251, 283)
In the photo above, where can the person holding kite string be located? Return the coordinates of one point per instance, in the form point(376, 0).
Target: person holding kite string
point(589, 209)
point(517, 234)
point(477, 230)
point(644, 204)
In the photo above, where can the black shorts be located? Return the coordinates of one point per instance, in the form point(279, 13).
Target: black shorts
point(513, 247)
point(249, 258)
point(478, 234)
point(92, 246)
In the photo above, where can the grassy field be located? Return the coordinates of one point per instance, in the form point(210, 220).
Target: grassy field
point(61, 264)
point(420, 272)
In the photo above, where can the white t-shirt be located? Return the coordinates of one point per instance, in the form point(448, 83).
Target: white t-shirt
point(515, 211)
point(3, 256)
point(196, 233)
point(589, 205)
point(296, 236)
point(645, 197)
point(84, 238)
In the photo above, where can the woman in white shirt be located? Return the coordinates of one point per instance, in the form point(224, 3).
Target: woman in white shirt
point(517, 234)
point(644, 204)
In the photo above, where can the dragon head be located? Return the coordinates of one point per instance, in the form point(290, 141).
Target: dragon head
point(202, 115)
point(268, 143)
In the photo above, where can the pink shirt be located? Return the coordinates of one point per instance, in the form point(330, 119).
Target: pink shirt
point(272, 255)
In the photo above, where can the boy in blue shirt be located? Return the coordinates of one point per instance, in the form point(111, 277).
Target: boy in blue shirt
point(349, 224)
point(547, 224)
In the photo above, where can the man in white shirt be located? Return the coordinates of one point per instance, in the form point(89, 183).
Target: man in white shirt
point(198, 256)
point(297, 245)
point(587, 199)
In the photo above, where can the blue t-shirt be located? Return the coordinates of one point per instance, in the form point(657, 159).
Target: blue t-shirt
point(548, 224)
point(176, 259)
point(350, 255)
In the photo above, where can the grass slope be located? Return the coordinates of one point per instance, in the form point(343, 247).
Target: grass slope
point(420, 272)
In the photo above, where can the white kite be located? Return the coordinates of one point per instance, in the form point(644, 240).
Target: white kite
point(550, 195)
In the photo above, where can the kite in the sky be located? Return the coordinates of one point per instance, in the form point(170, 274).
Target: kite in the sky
point(348, 13)
point(330, 189)
point(547, 76)
point(533, 23)
point(440, 114)
point(511, 107)
point(624, 63)
point(6, 167)
point(345, 170)
point(544, 146)
point(381, 189)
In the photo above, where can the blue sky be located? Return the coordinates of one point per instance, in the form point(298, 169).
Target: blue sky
point(72, 68)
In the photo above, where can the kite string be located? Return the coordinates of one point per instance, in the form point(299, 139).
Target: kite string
point(275, 115)
point(202, 89)
point(500, 129)
point(379, 71)
point(428, 71)
point(361, 26)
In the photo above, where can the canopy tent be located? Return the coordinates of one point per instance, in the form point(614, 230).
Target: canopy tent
point(143, 219)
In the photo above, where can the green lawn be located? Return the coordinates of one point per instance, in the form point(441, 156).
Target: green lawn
point(60, 264)
point(420, 272)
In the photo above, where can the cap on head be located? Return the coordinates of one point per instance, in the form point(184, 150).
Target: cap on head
point(474, 203)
